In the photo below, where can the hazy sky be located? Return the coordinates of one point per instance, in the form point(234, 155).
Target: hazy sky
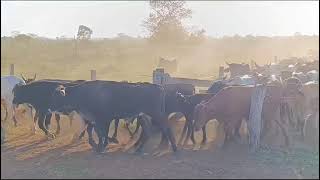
point(106, 18)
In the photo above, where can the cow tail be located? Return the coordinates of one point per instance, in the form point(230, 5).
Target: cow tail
point(163, 101)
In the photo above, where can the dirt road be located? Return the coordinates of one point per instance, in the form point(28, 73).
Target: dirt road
point(33, 156)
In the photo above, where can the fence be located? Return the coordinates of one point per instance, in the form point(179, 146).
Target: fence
point(93, 72)
point(160, 77)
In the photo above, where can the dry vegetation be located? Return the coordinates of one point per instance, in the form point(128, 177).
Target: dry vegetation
point(134, 59)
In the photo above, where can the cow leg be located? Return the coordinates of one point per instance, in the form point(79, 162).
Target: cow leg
point(128, 129)
point(41, 122)
point(71, 118)
point(144, 134)
point(167, 134)
point(228, 134)
point(183, 132)
point(106, 138)
point(283, 129)
point(6, 112)
point(90, 139)
point(14, 116)
point(84, 123)
point(301, 128)
point(114, 137)
point(190, 134)
point(57, 116)
point(31, 115)
point(137, 128)
point(100, 130)
point(237, 135)
point(48, 120)
point(35, 118)
point(204, 135)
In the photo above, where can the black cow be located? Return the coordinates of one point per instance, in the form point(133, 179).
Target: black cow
point(217, 86)
point(187, 104)
point(171, 104)
point(100, 102)
point(236, 69)
point(38, 94)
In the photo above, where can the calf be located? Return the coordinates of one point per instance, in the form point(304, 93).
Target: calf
point(187, 105)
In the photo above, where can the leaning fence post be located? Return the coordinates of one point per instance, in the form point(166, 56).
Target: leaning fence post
point(255, 119)
point(12, 69)
point(93, 75)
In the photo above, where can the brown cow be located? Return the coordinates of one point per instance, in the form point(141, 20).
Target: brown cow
point(232, 104)
point(305, 107)
point(311, 113)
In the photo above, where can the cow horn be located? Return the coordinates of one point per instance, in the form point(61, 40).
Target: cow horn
point(225, 77)
point(23, 77)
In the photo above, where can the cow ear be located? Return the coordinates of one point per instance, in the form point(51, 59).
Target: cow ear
point(63, 91)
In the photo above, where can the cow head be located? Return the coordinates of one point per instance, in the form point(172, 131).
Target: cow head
point(29, 79)
point(180, 97)
point(200, 116)
point(58, 97)
point(292, 87)
point(217, 86)
point(18, 96)
point(238, 69)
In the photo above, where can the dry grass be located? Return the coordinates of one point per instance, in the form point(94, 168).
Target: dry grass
point(135, 59)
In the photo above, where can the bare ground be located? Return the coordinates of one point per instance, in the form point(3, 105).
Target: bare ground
point(24, 155)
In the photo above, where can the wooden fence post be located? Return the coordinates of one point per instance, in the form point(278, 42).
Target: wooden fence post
point(255, 119)
point(221, 73)
point(93, 75)
point(12, 69)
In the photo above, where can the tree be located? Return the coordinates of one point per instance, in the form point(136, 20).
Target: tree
point(165, 20)
point(15, 33)
point(84, 33)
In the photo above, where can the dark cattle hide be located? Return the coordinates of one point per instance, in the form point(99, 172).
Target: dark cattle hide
point(100, 102)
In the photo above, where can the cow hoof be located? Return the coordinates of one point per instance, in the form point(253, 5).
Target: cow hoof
point(51, 136)
point(156, 153)
point(138, 152)
point(113, 140)
point(75, 139)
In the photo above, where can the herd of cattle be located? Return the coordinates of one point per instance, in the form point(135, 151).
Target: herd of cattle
point(292, 100)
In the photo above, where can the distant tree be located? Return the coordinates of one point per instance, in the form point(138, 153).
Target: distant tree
point(197, 35)
point(297, 34)
point(23, 38)
point(84, 33)
point(165, 20)
point(32, 35)
point(15, 33)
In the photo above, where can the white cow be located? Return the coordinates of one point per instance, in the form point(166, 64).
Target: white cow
point(7, 85)
point(313, 75)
